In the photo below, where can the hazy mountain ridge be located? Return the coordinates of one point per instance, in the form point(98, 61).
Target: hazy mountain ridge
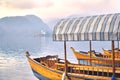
point(29, 25)
point(53, 23)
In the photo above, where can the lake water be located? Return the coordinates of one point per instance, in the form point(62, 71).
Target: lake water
point(14, 65)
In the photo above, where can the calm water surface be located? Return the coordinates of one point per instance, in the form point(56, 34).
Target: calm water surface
point(14, 65)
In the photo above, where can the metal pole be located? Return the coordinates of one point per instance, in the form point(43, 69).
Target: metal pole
point(65, 56)
point(118, 44)
point(113, 59)
point(90, 52)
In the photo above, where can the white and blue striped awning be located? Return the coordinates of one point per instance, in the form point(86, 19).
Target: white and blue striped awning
point(101, 27)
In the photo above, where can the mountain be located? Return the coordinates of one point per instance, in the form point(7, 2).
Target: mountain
point(29, 25)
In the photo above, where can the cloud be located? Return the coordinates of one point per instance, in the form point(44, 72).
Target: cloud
point(64, 8)
point(25, 4)
point(51, 9)
point(90, 6)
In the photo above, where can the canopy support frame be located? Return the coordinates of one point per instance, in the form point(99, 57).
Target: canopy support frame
point(90, 43)
point(65, 57)
point(118, 44)
point(113, 58)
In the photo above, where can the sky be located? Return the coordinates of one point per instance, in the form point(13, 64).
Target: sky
point(49, 10)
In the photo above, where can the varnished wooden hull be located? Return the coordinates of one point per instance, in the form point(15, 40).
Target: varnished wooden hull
point(108, 53)
point(43, 72)
point(39, 76)
point(104, 59)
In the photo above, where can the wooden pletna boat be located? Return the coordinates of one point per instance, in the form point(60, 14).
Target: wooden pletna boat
point(90, 28)
point(97, 58)
point(109, 52)
point(52, 68)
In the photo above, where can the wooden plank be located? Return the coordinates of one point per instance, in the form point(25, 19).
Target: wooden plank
point(91, 68)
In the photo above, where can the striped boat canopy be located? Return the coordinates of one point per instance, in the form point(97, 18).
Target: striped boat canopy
point(95, 28)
